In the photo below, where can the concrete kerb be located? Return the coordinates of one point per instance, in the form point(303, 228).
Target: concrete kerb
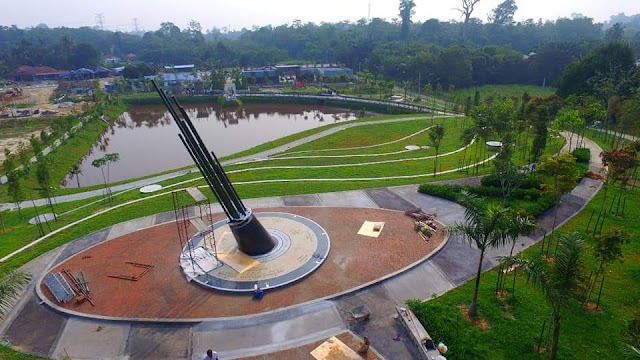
point(282, 310)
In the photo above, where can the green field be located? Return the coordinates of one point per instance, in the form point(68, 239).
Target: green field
point(487, 91)
point(515, 323)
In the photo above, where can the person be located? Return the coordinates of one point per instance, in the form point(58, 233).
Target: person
point(258, 293)
point(364, 345)
point(211, 355)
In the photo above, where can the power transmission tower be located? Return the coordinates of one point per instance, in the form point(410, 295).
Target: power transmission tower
point(100, 21)
point(369, 13)
point(135, 25)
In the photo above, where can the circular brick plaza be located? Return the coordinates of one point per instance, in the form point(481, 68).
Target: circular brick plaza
point(163, 293)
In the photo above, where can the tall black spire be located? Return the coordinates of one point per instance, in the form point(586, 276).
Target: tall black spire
point(251, 236)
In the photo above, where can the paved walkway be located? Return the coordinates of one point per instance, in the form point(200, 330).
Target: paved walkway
point(261, 155)
point(35, 328)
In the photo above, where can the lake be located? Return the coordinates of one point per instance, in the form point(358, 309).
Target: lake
point(147, 140)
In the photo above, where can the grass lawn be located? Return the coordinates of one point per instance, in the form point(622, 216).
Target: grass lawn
point(17, 128)
point(500, 91)
point(514, 324)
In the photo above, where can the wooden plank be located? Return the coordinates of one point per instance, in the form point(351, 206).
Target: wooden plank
point(196, 194)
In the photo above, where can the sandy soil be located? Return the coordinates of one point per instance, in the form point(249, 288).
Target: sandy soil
point(12, 143)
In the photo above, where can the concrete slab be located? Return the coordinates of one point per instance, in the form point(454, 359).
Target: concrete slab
point(459, 261)
point(301, 200)
point(381, 327)
point(83, 243)
point(130, 226)
point(447, 211)
point(165, 217)
point(387, 199)
point(347, 199)
point(267, 202)
point(88, 339)
point(36, 328)
point(267, 337)
point(419, 283)
point(148, 341)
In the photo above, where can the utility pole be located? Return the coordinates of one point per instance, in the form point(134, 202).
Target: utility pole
point(419, 83)
point(100, 21)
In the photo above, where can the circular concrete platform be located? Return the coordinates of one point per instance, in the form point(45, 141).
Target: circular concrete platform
point(43, 218)
point(150, 188)
point(301, 247)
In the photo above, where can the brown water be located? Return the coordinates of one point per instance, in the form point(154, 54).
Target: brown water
point(147, 140)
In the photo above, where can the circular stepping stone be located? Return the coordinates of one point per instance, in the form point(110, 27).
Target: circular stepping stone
point(412, 147)
point(494, 145)
point(43, 218)
point(150, 188)
point(424, 147)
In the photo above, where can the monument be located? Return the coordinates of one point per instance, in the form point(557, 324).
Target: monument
point(251, 236)
point(240, 254)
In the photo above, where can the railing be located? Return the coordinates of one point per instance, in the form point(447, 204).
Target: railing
point(414, 107)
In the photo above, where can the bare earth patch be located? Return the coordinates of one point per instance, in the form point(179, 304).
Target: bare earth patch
point(480, 323)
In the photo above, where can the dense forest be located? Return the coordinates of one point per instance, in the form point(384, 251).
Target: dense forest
point(469, 52)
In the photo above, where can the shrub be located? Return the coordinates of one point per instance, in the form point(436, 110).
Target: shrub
point(452, 192)
point(529, 182)
point(582, 155)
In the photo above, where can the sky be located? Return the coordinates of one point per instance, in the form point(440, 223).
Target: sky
point(236, 14)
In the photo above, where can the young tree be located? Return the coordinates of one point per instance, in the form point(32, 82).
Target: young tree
point(103, 162)
point(560, 282)
point(43, 175)
point(406, 12)
point(76, 171)
point(14, 179)
point(466, 11)
point(569, 120)
point(483, 227)
point(436, 134)
point(559, 177)
point(608, 250)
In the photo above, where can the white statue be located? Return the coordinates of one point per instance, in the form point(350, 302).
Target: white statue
point(230, 90)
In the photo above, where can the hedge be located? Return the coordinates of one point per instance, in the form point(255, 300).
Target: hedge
point(532, 200)
point(582, 155)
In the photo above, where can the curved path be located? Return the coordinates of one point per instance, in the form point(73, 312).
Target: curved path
point(261, 155)
point(36, 329)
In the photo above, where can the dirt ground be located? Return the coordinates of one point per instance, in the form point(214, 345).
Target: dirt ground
point(13, 143)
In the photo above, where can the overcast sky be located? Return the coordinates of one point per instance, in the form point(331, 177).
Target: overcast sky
point(236, 14)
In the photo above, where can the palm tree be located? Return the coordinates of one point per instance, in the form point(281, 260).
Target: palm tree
point(483, 227)
point(76, 171)
point(517, 225)
point(10, 285)
point(436, 134)
point(559, 282)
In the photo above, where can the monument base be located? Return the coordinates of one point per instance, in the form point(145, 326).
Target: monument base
point(253, 239)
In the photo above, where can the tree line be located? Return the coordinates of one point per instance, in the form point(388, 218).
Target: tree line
point(469, 52)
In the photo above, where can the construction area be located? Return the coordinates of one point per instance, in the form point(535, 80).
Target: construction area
point(136, 276)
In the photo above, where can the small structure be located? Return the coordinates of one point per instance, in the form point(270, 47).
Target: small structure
point(264, 75)
point(34, 73)
point(230, 93)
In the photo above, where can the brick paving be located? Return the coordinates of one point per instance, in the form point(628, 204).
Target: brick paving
point(164, 293)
